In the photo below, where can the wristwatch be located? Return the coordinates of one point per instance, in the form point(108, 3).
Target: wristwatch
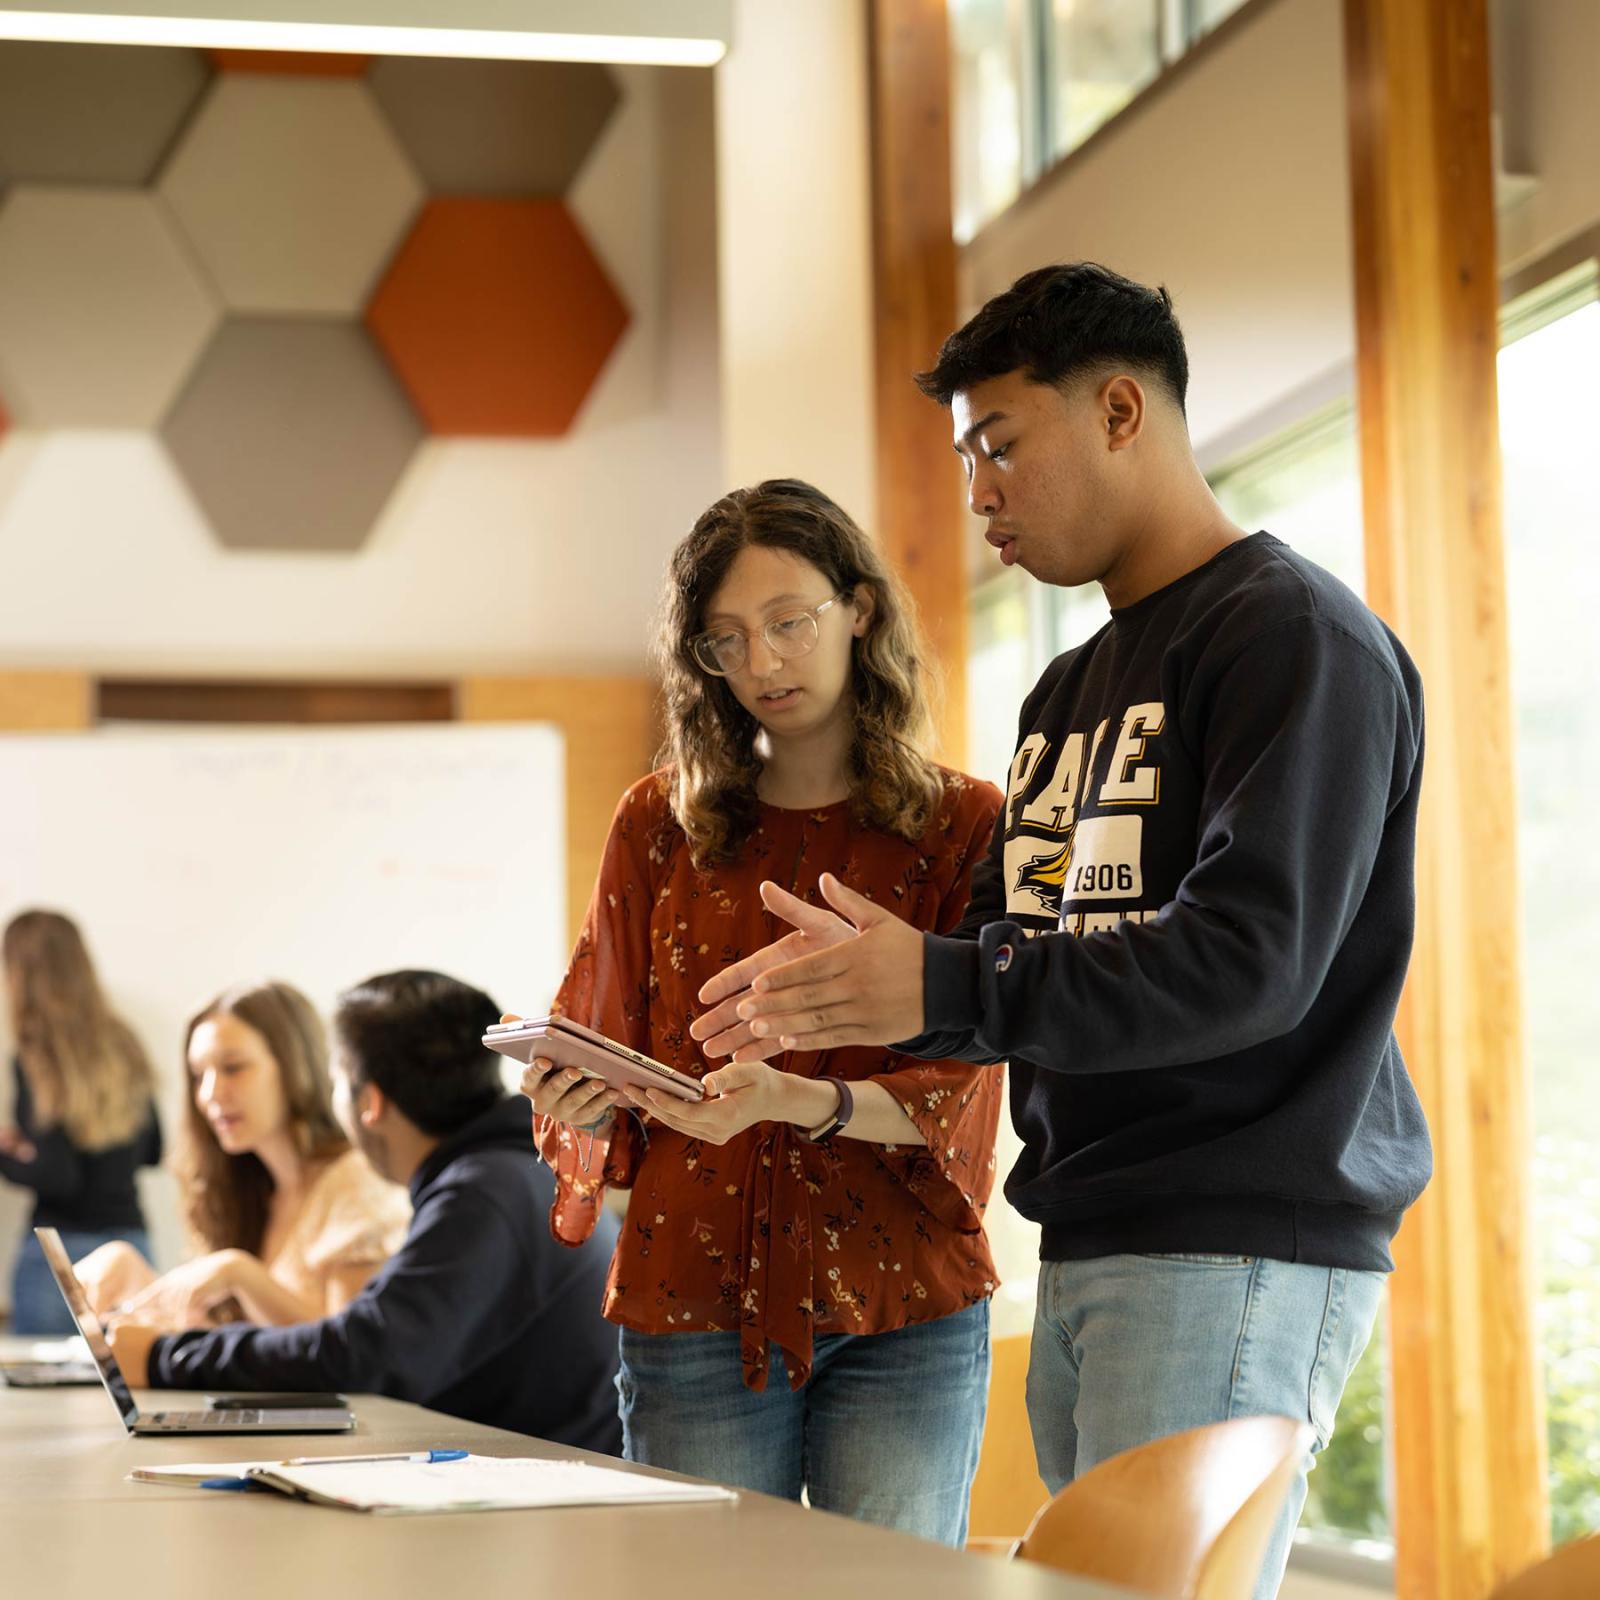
point(841, 1113)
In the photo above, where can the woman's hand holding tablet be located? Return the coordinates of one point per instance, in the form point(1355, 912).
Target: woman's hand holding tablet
point(578, 1076)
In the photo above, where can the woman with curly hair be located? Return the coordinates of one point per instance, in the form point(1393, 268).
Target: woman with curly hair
point(819, 1215)
point(287, 1220)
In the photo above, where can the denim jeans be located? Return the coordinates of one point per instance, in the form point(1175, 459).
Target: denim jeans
point(36, 1303)
point(886, 1429)
point(1131, 1348)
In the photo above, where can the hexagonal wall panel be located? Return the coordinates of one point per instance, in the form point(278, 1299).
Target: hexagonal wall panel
point(495, 127)
point(297, 63)
point(497, 316)
point(101, 310)
point(293, 192)
point(292, 433)
point(92, 113)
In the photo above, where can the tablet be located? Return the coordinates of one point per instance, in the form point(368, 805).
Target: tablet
point(569, 1044)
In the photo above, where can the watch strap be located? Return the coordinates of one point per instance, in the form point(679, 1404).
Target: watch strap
point(841, 1113)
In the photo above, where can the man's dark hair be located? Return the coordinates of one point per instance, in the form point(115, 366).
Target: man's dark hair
point(1057, 323)
point(419, 1037)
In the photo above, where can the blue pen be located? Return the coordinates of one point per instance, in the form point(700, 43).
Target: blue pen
point(404, 1455)
point(249, 1485)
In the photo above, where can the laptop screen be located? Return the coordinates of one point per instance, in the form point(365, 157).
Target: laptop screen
point(55, 1256)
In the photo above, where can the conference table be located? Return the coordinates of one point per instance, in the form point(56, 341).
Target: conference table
point(72, 1525)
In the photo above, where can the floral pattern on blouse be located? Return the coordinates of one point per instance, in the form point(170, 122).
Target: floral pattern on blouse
point(770, 1234)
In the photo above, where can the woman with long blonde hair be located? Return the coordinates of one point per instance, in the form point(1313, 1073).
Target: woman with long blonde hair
point(288, 1221)
point(84, 1109)
point(802, 1281)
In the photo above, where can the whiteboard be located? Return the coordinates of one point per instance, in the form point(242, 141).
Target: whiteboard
point(196, 858)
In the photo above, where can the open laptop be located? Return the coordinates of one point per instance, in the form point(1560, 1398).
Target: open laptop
point(251, 1421)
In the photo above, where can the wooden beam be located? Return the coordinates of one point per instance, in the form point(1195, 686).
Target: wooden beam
point(611, 733)
point(271, 700)
point(921, 522)
point(39, 702)
point(1470, 1503)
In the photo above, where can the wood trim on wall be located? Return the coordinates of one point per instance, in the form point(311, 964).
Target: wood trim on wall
point(921, 522)
point(611, 732)
point(263, 700)
point(1467, 1421)
point(40, 702)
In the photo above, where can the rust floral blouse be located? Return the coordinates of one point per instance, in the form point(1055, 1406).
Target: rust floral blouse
point(770, 1234)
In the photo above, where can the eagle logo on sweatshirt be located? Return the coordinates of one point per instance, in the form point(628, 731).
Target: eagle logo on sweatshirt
point(1045, 876)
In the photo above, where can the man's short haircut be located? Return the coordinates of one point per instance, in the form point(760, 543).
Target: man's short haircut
point(419, 1037)
point(1056, 324)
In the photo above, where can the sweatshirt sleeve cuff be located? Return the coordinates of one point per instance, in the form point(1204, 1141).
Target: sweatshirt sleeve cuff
point(156, 1375)
point(950, 997)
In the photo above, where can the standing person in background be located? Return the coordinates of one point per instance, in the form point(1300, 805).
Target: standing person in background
point(289, 1220)
point(84, 1110)
point(803, 1280)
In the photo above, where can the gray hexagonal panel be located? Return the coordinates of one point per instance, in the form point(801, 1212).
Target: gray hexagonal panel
point(102, 312)
point(92, 113)
point(293, 192)
point(292, 433)
point(495, 127)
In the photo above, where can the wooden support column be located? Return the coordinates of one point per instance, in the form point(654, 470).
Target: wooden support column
point(920, 517)
point(45, 702)
point(611, 734)
point(1466, 1413)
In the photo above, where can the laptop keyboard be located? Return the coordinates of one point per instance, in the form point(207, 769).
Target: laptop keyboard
point(204, 1419)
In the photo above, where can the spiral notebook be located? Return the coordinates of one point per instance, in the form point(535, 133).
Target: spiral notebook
point(478, 1483)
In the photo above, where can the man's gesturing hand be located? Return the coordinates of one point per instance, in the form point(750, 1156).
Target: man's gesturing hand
point(721, 1031)
point(864, 989)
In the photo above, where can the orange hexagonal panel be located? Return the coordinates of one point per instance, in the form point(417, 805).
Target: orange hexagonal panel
point(299, 63)
point(497, 316)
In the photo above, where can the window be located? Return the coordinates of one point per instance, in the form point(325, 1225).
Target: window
point(990, 77)
point(1102, 53)
point(1032, 79)
point(1204, 15)
point(1549, 422)
point(1304, 486)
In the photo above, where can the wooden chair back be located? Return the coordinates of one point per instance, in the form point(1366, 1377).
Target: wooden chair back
point(1572, 1573)
point(1182, 1518)
point(1007, 1491)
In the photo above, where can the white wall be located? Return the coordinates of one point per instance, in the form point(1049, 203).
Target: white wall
point(198, 858)
point(492, 556)
point(794, 192)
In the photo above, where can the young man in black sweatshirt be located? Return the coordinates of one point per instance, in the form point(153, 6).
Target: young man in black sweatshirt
point(1191, 931)
point(479, 1314)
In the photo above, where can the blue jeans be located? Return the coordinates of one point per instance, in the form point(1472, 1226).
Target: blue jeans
point(36, 1303)
point(886, 1429)
point(1131, 1348)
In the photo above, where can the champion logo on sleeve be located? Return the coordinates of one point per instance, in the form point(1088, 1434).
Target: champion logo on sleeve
point(1002, 957)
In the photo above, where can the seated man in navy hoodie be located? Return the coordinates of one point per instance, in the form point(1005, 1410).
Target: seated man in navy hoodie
point(479, 1314)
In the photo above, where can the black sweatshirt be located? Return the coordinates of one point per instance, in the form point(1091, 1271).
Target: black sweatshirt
point(90, 1191)
point(479, 1314)
point(1191, 931)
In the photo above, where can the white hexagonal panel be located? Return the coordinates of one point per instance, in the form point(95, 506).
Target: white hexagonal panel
point(102, 312)
point(293, 191)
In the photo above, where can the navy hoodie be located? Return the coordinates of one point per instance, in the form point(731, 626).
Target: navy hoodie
point(1192, 928)
point(479, 1314)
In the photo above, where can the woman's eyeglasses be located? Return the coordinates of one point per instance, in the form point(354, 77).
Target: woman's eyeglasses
point(723, 651)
